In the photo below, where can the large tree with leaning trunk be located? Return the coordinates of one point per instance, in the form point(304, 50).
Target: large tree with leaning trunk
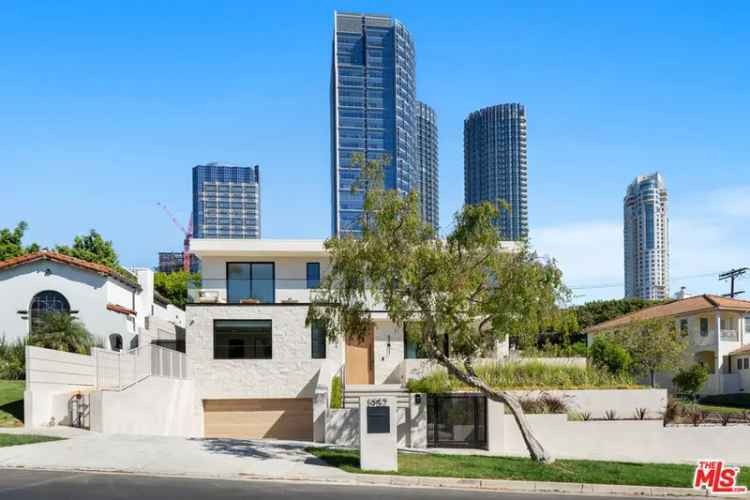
point(467, 287)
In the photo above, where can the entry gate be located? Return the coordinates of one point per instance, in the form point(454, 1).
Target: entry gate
point(456, 421)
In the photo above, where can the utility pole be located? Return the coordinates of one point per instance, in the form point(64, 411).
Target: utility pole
point(731, 276)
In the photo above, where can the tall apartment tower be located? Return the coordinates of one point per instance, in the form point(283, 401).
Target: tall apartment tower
point(226, 201)
point(646, 238)
point(495, 164)
point(373, 109)
point(427, 163)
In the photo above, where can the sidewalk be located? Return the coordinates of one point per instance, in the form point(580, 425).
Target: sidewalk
point(265, 460)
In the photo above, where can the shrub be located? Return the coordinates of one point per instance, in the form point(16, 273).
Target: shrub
point(337, 393)
point(60, 331)
point(607, 355)
point(525, 375)
point(691, 380)
point(640, 413)
point(610, 415)
point(546, 403)
point(12, 359)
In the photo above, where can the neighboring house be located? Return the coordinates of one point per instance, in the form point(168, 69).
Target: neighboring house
point(255, 364)
point(120, 309)
point(718, 330)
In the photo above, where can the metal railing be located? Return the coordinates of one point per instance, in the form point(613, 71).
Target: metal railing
point(120, 370)
point(248, 291)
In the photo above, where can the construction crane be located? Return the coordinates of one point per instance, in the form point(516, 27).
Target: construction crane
point(188, 235)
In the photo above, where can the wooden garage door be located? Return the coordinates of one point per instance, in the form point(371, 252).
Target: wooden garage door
point(259, 418)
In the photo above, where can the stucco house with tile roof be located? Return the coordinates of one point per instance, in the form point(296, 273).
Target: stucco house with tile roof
point(718, 330)
point(118, 308)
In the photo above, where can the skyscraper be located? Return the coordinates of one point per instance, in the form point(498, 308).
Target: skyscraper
point(427, 163)
point(373, 109)
point(226, 201)
point(646, 237)
point(495, 164)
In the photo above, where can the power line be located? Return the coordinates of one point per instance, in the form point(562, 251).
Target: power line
point(732, 275)
point(615, 285)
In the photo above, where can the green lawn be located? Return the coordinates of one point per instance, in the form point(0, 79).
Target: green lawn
point(15, 439)
point(483, 467)
point(11, 403)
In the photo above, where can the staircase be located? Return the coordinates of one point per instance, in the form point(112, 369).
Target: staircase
point(352, 393)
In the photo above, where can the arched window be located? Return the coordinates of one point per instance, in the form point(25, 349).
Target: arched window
point(47, 302)
point(115, 342)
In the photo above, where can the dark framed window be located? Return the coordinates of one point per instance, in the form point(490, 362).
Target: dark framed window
point(313, 275)
point(242, 339)
point(739, 363)
point(704, 327)
point(318, 341)
point(684, 326)
point(746, 365)
point(48, 301)
point(250, 280)
point(115, 342)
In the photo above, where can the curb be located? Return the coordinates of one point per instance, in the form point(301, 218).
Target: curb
point(383, 480)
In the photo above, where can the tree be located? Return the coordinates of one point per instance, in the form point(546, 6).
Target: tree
point(174, 286)
point(599, 311)
point(62, 332)
point(654, 345)
point(92, 247)
point(609, 355)
point(11, 242)
point(691, 379)
point(465, 287)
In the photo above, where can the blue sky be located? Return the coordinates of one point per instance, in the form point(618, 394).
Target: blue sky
point(106, 106)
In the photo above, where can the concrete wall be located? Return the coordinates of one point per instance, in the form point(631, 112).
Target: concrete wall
point(635, 441)
point(598, 401)
point(342, 427)
point(52, 378)
point(87, 292)
point(155, 406)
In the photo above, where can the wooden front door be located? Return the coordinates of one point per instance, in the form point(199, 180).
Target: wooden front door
point(360, 360)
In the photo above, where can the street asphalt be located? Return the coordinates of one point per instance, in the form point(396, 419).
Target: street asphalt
point(23, 484)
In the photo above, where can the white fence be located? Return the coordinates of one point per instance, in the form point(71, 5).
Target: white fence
point(119, 370)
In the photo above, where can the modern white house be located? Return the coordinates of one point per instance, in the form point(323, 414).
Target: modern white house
point(718, 331)
point(122, 310)
point(255, 364)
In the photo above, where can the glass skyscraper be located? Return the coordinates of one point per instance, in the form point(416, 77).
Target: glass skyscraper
point(373, 109)
point(495, 164)
point(427, 163)
point(226, 201)
point(646, 238)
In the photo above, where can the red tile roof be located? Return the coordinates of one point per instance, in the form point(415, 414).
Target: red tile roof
point(71, 261)
point(690, 305)
point(120, 309)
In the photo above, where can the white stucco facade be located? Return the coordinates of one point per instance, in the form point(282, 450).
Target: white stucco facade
point(104, 302)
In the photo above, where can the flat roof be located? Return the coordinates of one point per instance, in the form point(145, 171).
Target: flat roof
point(217, 247)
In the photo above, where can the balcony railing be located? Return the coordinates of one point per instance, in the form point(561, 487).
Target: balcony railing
point(250, 292)
point(730, 335)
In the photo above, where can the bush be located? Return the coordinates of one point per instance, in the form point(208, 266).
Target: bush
point(337, 393)
point(12, 359)
point(525, 375)
point(546, 403)
point(691, 380)
point(605, 354)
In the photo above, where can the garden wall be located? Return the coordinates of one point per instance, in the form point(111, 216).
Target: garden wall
point(52, 378)
point(599, 401)
point(418, 368)
point(635, 441)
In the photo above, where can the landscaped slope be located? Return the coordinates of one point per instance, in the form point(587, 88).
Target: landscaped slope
point(11, 403)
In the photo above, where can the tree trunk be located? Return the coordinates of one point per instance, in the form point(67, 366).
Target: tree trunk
point(536, 450)
point(653, 378)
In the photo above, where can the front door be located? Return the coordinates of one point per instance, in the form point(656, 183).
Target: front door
point(360, 360)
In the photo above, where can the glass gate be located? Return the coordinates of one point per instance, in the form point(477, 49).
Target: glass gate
point(456, 421)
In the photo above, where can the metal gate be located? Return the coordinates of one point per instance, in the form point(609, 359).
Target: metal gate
point(456, 421)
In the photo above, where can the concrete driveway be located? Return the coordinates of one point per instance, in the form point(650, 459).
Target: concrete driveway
point(220, 458)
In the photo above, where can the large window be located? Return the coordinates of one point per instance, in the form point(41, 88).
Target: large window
point(250, 280)
point(46, 302)
point(242, 339)
point(412, 349)
point(318, 341)
point(313, 275)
